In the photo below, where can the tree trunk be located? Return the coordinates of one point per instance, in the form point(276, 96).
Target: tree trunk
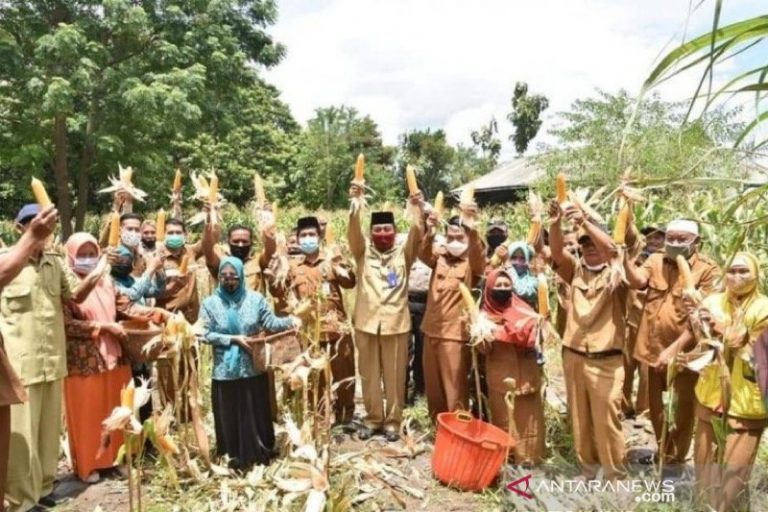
point(86, 162)
point(61, 174)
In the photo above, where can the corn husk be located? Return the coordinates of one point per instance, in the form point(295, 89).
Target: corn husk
point(439, 206)
point(213, 189)
point(260, 193)
point(114, 230)
point(124, 184)
point(41, 195)
point(467, 195)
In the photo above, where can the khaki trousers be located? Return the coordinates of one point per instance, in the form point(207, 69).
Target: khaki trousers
point(630, 366)
point(382, 358)
point(724, 488)
point(593, 388)
point(5, 437)
point(446, 375)
point(680, 436)
point(34, 447)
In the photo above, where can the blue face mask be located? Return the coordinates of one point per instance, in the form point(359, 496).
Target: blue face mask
point(309, 245)
point(175, 241)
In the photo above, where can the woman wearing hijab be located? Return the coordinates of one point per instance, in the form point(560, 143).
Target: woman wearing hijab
point(96, 367)
point(524, 282)
point(737, 316)
point(137, 290)
point(512, 354)
point(240, 393)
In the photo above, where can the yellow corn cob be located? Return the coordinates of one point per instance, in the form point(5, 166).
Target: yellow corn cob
point(410, 178)
point(258, 186)
point(126, 395)
point(685, 273)
point(360, 169)
point(439, 204)
point(41, 196)
point(177, 181)
point(330, 235)
point(561, 188)
point(184, 265)
point(469, 301)
point(533, 233)
point(467, 195)
point(542, 294)
point(622, 221)
point(213, 191)
point(495, 260)
point(114, 230)
point(166, 445)
point(171, 327)
point(160, 225)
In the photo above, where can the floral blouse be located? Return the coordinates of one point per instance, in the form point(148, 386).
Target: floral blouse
point(83, 357)
point(230, 361)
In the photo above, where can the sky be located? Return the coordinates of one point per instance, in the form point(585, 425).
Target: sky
point(452, 64)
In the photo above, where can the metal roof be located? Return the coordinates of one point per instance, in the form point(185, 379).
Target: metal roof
point(518, 173)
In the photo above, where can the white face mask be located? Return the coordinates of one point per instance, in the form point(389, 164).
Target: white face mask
point(456, 248)
point(130, 239)
point(595, 268)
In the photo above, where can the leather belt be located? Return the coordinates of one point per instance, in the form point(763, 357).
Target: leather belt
point(595, 355)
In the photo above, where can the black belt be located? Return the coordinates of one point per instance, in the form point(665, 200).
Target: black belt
point(595, 355)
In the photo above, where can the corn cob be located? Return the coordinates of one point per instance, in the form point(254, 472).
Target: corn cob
point(360, 169)
point(622, 222)
point(184, 265)
point(542, 294)
point(258, 186)
point(160, 226)
point(41, 196)
point(469, 301)
point(166, 445)
point(439, 204)
point(410, 178)
point(561, 188)
point(689, 285)
point(177, 182)
point(126, 395)
point(495, 260)
point(114, 230)
point(330, 235)
point(534, 231)
point(213, 191)
point(467, 195)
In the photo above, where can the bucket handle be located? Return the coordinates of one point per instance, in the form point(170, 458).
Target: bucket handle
point(490, 445)
point(464, 416)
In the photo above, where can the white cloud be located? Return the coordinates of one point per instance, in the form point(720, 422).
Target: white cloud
point(452, 64)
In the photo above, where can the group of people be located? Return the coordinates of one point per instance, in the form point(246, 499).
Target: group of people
point(622, 308)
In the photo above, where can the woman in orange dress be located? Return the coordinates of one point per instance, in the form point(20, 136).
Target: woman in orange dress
point(97, 368)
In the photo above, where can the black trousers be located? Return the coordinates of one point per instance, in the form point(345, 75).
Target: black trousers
point(415, 374)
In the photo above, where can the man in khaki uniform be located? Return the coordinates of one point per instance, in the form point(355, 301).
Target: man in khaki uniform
point(446, 354)
point(663, 330)
point(381, 320)
point(12, 392)
point(32, 325)
point(240, 245)
point(592, 345)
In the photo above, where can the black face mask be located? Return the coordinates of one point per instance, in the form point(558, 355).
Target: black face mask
point(149, 244)
point(501, 296)
point(240, 252)
point(494, 240)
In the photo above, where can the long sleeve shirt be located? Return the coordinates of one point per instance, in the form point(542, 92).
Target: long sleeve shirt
point(230, 361)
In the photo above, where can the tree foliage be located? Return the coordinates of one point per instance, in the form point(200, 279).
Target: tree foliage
point(525, 116)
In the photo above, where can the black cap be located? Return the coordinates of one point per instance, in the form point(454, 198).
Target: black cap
point(382, 218)
point(308, 223)
point(647, 230)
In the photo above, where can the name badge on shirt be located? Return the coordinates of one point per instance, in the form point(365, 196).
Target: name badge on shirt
point(391, 278)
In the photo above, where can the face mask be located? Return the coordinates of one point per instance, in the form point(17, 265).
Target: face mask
point(309, 245)
point(383, 241)
point(130, 239)
point(739, 284)
point(674, 250)
point(520, 268)
point(121, 270)
point(240, 252)
point(501, 296)
point(85, 266)
point(148, 244)
point(595, 268)
point(456, 248)
point(175, 241)
point(494, 240)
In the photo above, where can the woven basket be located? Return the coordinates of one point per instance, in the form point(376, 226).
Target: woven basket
point(140, 333)
point(283, 348)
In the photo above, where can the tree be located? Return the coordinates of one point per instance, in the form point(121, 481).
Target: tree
point(88, 85)
point(327, 151)
point(525, 116)
point(433, 158)
point(488, 144)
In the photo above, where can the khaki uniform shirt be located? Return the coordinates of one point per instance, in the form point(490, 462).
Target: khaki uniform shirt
point(181, 291)
point(665, 318)
point(445, 316)
point(252, 270)
point(32, 319)
point(595, 313)
point(381, 306)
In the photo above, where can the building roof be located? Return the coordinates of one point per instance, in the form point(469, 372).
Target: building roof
point(518, 173)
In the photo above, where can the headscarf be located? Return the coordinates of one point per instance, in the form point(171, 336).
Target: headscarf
point(231, 300)
point(516, 319)
point(525, 283)
point(99, 305)
point(745, 299)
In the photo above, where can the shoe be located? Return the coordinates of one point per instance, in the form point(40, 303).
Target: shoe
point(391, 435)
point(47, 501)
point(93, 478)
point(347, 427)
point(364, 433)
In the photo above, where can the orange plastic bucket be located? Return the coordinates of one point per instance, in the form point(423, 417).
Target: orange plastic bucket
point(468, 453)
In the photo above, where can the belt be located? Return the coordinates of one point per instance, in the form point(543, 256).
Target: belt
point(596, 355)
point(417, 296)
